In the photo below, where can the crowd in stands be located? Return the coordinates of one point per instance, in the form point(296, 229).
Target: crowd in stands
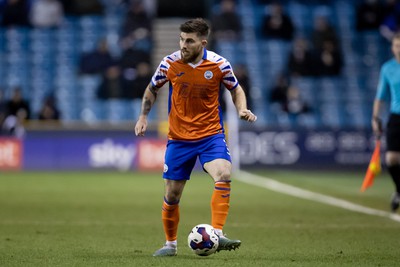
point(124, 75)
point(316, 54)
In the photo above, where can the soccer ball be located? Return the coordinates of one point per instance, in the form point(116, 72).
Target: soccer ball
point(203, 240)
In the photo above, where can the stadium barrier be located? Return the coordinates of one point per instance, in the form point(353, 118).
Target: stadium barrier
point(122, 150)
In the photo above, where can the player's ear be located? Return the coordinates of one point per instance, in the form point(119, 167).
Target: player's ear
point(204, 42)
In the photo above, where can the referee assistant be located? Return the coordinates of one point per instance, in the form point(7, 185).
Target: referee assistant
point(389, 90)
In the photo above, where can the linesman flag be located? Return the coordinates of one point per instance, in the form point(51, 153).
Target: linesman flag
point(374, 167)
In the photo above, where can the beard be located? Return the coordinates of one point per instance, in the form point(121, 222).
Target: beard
point(189, 57)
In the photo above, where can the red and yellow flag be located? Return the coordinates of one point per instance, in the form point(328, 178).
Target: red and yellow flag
point(374, 167)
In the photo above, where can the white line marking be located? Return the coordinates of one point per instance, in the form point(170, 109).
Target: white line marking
point(276, 186)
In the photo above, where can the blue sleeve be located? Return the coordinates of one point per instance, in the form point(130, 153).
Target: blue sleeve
point(383, 91)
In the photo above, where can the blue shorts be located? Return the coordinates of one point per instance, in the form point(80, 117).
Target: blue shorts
point(393, 133)
point(180, 156)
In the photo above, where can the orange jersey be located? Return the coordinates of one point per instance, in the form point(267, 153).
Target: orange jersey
point(194, 109)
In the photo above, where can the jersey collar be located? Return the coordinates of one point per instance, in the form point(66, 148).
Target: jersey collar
point(204, 54)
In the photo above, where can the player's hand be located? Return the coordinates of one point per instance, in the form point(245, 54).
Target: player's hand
point(141, 126)
point(247, 115)
point(377, 126)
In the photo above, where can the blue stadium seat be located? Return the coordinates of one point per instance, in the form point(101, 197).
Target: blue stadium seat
point(331, 115)
point(2, 40)
point(330, 89)
point(43, 61)
point(90, 31)
point(88, 85)
point(93, 111)
point(301, 17)
point(115, 109)
point(356, 114)
point(274, 55)
point(308, 88)
point(17, 39)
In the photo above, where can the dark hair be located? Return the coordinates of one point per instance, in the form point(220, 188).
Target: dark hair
point(198, 26)
point(396, 36)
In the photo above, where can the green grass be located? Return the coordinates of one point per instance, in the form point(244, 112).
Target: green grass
point(113, 219)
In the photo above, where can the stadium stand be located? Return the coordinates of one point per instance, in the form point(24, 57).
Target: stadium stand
point(353, 89)
point(45, 61)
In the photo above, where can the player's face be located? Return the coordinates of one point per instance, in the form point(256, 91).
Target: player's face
point(396, 48)
point(191, 47)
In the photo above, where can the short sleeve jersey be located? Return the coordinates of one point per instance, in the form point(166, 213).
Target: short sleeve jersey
point(389, 85)
point(194, 110)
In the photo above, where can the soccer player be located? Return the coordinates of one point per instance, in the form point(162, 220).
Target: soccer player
point(195, 127)
point(389, 90)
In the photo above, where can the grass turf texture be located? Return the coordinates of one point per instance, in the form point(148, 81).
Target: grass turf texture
point(114, 219)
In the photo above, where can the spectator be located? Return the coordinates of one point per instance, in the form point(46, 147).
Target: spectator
point(18, 105)
point(97, 61)
point(390, 6)
point(15, 13)
point(13, 114)
point(369, 15)
point(83, 7)
point(301, 59)
point(242, 75)
point(278, 93)
point(137, 27)
point(113, 84)
point(131, 57)
point(391, 21)
point(13, 125)
point(295, 105)
point(276, 24)
point(323, 31)
point(226, 24)
point(139, 79)
point(3, 111)
point(49, 110)
point(329, 60)
point(46, 13)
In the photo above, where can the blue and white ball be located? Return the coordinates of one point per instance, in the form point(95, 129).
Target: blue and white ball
point(203, 240)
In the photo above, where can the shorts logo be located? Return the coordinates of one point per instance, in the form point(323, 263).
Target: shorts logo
point(208, 74)
point(165, 167)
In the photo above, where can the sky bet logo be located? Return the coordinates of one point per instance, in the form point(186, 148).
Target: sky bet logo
point(111, 155)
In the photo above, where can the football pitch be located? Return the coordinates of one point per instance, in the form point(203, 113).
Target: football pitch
point(114, 219)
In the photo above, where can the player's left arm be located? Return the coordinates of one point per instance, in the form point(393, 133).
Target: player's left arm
point(239, 99)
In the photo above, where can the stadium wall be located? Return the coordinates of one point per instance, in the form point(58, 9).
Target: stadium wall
point(121, 150)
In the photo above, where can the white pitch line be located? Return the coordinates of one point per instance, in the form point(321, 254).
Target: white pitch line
point(276, 186)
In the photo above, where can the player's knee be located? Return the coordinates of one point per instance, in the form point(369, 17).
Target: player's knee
point(172, 197)
point(223, 174)
point(392, 159)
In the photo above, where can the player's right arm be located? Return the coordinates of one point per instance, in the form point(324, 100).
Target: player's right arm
point(149, 97)
point(239, 100)
point(150, 94)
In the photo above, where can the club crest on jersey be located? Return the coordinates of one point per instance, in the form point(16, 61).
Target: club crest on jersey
point(208, 74)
